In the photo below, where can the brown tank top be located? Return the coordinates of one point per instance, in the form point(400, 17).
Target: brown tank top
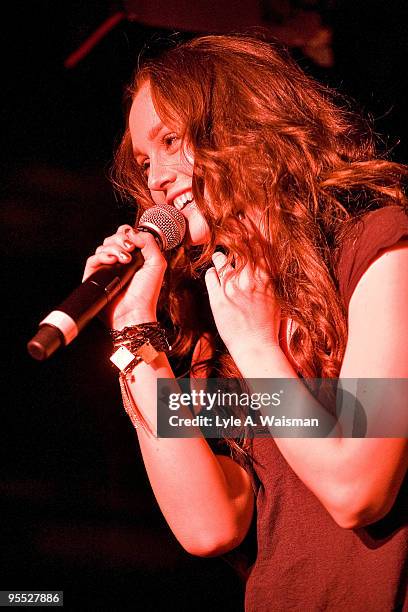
point(305, 561)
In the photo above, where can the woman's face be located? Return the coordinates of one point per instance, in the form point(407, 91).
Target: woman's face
point(167, 165)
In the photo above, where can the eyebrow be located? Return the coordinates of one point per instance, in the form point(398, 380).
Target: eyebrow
point(151, 135)
point(155, 130)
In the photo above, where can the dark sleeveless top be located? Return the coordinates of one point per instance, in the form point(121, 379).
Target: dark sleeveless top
point(305, 561)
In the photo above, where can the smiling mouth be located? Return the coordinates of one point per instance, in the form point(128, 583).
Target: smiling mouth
point(183, 200)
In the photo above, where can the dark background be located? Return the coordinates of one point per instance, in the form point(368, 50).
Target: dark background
point(77, 512)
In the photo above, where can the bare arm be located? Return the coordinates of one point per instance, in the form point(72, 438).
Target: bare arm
point(357, 480)
point(206, 499)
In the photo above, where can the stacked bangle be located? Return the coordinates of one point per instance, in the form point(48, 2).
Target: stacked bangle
point(136, 343)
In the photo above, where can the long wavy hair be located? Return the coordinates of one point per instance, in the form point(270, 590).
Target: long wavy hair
point(271, 144)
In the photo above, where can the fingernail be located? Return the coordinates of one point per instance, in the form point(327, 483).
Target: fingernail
point(123, 255)
point(127, 244)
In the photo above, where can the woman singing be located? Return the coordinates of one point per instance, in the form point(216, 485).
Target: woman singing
point(294, 266)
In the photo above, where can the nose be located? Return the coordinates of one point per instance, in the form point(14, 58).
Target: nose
point(160, 175)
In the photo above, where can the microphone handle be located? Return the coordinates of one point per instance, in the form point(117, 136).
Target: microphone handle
point(62, 325)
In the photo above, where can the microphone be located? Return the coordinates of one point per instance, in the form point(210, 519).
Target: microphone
point(62, 325)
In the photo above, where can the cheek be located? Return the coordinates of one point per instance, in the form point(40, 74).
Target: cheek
point(158, 197)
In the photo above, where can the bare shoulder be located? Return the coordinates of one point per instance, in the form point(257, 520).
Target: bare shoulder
point(378, 318)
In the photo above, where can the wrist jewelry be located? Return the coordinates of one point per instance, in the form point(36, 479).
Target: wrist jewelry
point(134, 344)
point(137, 343)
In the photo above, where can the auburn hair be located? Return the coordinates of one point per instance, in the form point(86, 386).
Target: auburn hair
point(270, 141)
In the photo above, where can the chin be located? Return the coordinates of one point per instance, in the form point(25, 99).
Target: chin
point(196, 239)
point(198, 232)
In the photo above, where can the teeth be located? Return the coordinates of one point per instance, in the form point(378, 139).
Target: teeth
point(181, 201)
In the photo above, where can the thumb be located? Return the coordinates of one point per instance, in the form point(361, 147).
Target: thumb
point(149, 247)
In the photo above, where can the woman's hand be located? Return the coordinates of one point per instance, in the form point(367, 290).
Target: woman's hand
point(137, 303)
point(243, 305)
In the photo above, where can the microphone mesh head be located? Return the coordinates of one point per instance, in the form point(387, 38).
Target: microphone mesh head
point(166, 222)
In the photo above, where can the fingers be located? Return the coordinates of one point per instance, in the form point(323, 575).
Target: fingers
point(118, 248)
point(216, 275)
point(223, 269)
point(126, 240)
point(225, 276)
point(115, 248)
point(211, 280)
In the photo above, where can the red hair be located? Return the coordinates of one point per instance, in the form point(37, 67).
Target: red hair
point(265, 137)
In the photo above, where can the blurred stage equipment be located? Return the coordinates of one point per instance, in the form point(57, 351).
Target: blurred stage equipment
point(296, 23)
